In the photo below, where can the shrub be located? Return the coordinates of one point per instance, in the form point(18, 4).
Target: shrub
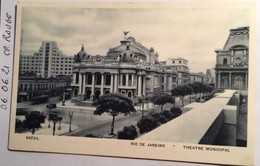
point(168, 115)
point(150, 122)
point(128, 133)
point(146, 124)
point(151, 112)
point(159, 118)
point(176, 111)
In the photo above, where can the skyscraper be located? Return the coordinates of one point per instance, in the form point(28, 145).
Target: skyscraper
point(48, 61)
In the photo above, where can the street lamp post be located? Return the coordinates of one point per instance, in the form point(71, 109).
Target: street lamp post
point(70, 115)
point(143, 100)
point(63, 100)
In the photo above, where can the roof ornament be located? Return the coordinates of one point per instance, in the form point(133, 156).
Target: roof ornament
point(82, 48)
point(125, 33)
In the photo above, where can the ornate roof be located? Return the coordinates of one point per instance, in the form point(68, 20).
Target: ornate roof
point(129, 44)
point(239, 36)
point(81, 55)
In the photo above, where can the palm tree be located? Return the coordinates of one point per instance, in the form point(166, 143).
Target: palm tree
point(114, 104)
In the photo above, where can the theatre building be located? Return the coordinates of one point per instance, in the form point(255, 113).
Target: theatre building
point(232, 61)
point(129, 68)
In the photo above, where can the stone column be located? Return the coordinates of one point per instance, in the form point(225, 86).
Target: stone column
point(84, 83)
point(132, 83)
point(230, 80)
point(116, 83)
point(111, 83)
point(246, 81)
point(92, 86)
point(126, 79)
point(102, 84)
point(219, 74)
point(139, 88)
point(165, 82)
point(74, 78)
point(121, 79)
point(144, 79)
point(80, 83)
point(169, 83)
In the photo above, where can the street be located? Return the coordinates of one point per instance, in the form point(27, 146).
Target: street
point(85, 122)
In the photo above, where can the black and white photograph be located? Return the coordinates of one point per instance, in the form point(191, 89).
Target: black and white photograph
point(166, 81)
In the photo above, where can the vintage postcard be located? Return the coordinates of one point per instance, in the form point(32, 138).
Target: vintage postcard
point(164, 81)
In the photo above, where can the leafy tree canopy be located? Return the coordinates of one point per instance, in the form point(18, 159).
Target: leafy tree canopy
point(113, 104)
point(180, 91)
point(189, 89)
point(34, 120)
point(161, 99)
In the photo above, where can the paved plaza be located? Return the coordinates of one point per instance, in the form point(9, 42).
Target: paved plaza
point(85, 122)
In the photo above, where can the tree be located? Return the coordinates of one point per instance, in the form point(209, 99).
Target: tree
point(195, 88)
point(210, 88)
point(51, 106)
point(141, 101)
point(189, 91)
point(54, 118)
point(113, 104)
point(34, 120)
point(161, 99)
point(181, 92)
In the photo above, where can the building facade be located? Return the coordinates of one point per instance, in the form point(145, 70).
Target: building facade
point(31, 85)
point(232, 61)
point(48, 61)
point(210, 76)
point(181, 66)
point(129, 68)
point(198, 77)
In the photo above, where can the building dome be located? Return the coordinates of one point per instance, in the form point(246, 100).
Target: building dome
point(131, 39)
point(81, 55)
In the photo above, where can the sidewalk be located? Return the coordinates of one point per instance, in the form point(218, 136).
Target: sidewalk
point(49, 131)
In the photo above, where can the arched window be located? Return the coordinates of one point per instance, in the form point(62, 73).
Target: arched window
point(225, 62)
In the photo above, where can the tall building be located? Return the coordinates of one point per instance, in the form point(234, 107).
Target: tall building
point(129, 68)
point(232, 61)
point(181, 66)
point(48, 61)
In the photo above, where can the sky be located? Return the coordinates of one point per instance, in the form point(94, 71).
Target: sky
point(190, 33)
